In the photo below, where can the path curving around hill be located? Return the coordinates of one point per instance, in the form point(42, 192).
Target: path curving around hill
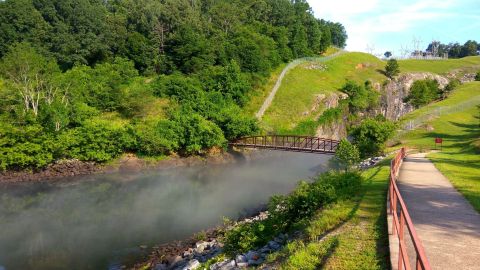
point(268, 101)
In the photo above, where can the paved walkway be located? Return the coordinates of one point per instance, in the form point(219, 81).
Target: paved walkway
point(448, 226)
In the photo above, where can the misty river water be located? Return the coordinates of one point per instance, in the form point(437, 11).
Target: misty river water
point(96, 221)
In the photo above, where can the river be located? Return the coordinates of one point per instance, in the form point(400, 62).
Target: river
point(97, 221)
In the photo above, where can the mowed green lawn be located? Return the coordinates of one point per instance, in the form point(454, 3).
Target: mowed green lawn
point(459, 159)
point(301, 85)
point(467, 64)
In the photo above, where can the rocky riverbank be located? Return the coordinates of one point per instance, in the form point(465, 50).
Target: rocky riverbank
point(127, 163)
point(191, 253)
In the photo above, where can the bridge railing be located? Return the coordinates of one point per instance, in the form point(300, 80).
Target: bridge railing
point(401, 221)
point(289, 142)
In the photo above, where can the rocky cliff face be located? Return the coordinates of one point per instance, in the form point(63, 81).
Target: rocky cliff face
point(337, 130)
point(334, 131)
point(391, 102)
point(395, 91)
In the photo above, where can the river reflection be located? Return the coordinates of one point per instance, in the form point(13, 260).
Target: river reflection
point(88, 222)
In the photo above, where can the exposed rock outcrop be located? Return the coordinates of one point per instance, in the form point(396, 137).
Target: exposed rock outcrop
point(392, 104)
point(335, 131)
point(395, 91)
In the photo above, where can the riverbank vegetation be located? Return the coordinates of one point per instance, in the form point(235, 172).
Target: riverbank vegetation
point(323, 216)
point(149, 77)
point(286, 213)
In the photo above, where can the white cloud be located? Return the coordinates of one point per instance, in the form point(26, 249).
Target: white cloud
point(367, 20)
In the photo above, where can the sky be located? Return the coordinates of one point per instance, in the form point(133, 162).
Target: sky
point(392, 25)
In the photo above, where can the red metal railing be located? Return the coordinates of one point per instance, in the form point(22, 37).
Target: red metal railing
point(402, 220)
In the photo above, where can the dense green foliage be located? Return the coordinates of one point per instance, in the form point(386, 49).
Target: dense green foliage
point(286, 212)
point(477, 76)
point(168, 36)
point(93, 79)
point(452, 85)
point(423, 92)
point(371, 135)
point(347, 154)
point(360, 97)
point(392, 68)
point(455, 50)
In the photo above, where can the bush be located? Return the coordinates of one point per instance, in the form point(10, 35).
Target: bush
point(477, 76)
point(287, 211)
point(371, 135)
point(96, 140)
point(392, 68)
point(196, 133)
point(360, 97)
point(452, 85)
point(22, 147)
point(423, 92)
point(330, 115)
point(157, 137)
point(347, 154)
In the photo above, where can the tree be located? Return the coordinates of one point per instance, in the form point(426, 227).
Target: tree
point(392, 68)
point(387, 54)
point(477, 76)
point(338, 34)
point(371, 135)
point(30, 75)
point(300, 41)
point(422, 92)
point(469, 49)
point(360, 97)
point(347, 154)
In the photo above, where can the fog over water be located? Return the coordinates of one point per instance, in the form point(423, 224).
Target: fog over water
point(93, 221)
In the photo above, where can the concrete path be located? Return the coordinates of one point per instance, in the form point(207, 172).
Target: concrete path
point(448, 226)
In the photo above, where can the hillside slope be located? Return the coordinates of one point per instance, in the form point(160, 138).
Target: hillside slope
point(296, 101)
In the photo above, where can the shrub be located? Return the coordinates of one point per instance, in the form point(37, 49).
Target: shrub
point(392, 68)
point(286, 211)
point(135, 97)
point(452, 85)
point(360, 97)
point(96, 140)
point(26, 146)
point(157, 137)
point(423, 92)
point(347, 154)
point(477, 76)
point(197, 133)
point(330, 115)
point(371, 135)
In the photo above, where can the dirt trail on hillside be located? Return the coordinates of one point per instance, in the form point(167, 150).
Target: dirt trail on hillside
point(268, 101)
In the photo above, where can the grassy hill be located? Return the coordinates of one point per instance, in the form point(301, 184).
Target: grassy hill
point(302, 84)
